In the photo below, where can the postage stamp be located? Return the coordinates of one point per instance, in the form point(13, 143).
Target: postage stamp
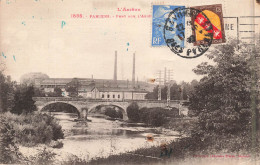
point(215, 15)
point(160, 14)
point(179, 36)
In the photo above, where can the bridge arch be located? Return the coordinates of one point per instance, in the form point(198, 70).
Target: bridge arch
point(41, 108)
point(124, 112)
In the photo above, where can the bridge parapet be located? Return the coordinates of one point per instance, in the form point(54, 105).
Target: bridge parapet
point(100, 100)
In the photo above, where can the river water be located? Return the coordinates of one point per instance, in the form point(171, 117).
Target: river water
point(101, 137)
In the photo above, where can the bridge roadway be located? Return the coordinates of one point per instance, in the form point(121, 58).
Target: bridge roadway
point(84, 106)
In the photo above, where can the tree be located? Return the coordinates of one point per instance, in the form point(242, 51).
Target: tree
point(6, 93)
point(111, 112)
point(177, 91)
point(23, 102)
point(221, 100)
point(8, 148)
point(73, 87)
point(58, 92)
point(153, 95)
point(133, 112)
point(29, 78)
point(38, 92)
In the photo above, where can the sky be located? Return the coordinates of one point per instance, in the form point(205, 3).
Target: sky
point(42, 36)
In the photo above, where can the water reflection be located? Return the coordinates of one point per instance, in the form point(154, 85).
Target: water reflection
point(103, 137)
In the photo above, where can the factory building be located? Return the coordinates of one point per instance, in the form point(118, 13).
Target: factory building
point(109, 89)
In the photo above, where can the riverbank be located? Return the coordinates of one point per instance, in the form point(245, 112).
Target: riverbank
point(100, 139)
point(180, 154)
point(114, 142)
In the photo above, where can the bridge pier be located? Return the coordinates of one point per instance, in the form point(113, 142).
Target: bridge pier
point(125, 117)
point(83, 113)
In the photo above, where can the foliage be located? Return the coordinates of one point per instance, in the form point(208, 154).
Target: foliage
point(183, 125)
point(152, 116)
point(38, 92)
point(44, 157)
point(6, 93)
point(180, 91)
point(56, 144)
point(32, 129)
point(156, 116)
point(222, 101)
point(73, 159)
point(133, 112)
point(29, 78)
point(8, 148)
point(56, 93)
point(111, 112)
point(72, 87)
point(23, 102)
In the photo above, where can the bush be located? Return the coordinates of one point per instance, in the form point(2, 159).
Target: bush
point(113, 113)
point(44, 157)
point(133, 112)
point(23, 102)
point(154, 116)
point(56, 144)
point(8, 149)
point(33, 129)
point(75, 160)
point(151, 116)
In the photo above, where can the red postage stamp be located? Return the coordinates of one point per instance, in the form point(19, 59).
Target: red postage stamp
point(215, 15)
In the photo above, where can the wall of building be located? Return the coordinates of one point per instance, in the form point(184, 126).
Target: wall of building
point(47, 90)
point(128, 95)
point(95, 94)
point(111, 95)
point(139, 96)
point(85, 94)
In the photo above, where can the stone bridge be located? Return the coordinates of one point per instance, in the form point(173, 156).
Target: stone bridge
point(84, 106)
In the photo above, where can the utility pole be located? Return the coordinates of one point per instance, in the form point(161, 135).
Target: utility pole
point(165, 75)
point(159, 87)
point(170, 72)
point(133, 72)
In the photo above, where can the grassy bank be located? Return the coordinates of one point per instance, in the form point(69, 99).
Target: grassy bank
point(182, 149)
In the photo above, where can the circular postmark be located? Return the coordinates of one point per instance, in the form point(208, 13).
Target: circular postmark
point(188, 32)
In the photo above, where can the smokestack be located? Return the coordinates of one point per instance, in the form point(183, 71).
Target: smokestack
point(115, 67)
point(133, 74)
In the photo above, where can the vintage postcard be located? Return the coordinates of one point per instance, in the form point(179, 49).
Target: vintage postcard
point(129, 82)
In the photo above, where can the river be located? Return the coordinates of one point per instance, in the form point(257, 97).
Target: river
point(101, 137)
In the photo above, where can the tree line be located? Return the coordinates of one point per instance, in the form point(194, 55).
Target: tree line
point(180, 91)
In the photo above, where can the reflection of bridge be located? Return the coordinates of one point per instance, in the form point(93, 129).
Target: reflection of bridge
point(86, 105)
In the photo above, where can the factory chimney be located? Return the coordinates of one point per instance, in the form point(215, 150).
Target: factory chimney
point(133, 74)
point(115, 67)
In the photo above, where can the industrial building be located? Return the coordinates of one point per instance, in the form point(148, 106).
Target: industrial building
point(109, 89)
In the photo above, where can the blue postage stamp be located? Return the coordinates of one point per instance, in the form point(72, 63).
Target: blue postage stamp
point(160, 14)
